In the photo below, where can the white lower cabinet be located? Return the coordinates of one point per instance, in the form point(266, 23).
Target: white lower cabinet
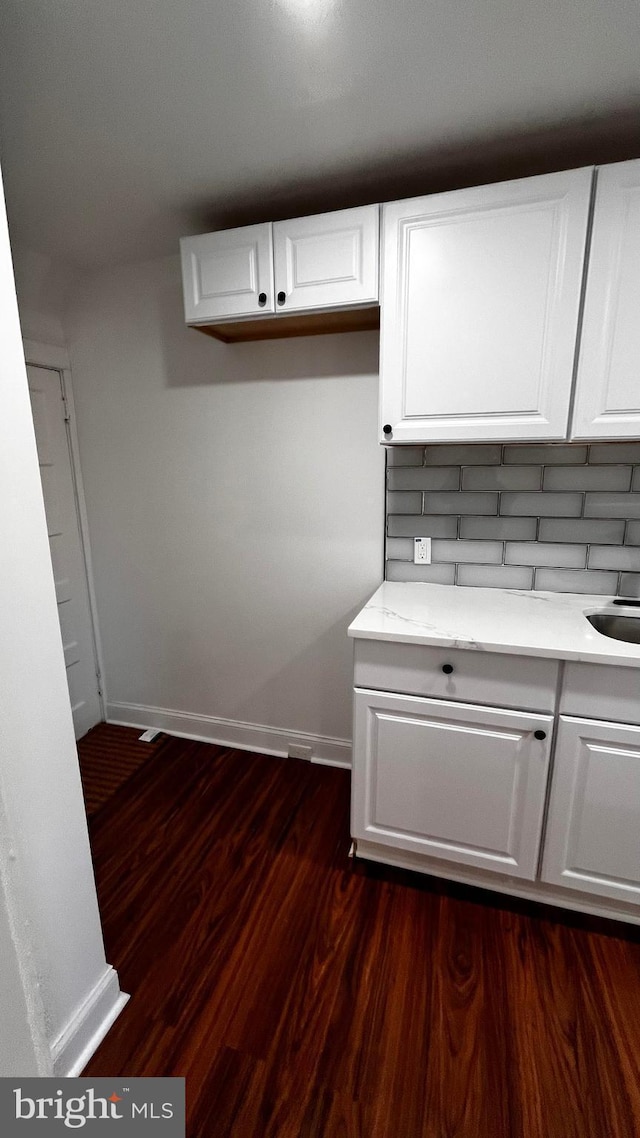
point(447, 783)
point(455, 781)
point(592, 841)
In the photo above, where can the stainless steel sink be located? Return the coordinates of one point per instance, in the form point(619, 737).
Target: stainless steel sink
point(617, 626)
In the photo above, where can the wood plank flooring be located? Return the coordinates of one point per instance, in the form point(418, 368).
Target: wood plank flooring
point(108, 757)
point(303, 998)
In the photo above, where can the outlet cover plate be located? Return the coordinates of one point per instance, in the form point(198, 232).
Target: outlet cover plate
point(422, 550)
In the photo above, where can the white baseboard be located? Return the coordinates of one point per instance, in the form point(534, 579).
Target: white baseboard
point(76, 1043)
point(231, 733)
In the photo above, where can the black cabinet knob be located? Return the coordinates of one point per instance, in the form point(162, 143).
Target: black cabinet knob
point(539, 734)
point(282, 296)
point(387, 429)
point(447, 669)
point(262, 299)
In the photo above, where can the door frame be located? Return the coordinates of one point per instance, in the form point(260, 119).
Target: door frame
point(54, 357)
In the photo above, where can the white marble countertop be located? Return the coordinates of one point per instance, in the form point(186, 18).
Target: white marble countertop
point(493, 620)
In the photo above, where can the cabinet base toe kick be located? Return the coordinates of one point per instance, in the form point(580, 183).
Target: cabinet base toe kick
point(498, 883)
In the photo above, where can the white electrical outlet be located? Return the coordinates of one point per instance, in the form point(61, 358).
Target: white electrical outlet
point(422, 550)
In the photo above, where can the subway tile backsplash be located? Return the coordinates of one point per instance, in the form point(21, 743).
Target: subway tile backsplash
point(587, 478)
point(458, 552)
point(435, 478)
point(435, 574)
point(428, 525)
point(404, 503)
point(495, 576)
point(502, 529)
point(536, 553)
point(505, 478)
point(542, 505)
point(557, 454)
point(612, 506)
point(557, 517)
point(476, 503)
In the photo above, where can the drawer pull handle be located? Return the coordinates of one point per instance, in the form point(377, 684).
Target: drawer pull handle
point(447, 669)
point(539, 734)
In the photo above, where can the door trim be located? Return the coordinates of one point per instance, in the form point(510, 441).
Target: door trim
point(56, 358)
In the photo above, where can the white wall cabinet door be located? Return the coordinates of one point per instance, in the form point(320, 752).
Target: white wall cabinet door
point(480, 305)
point(227, 274)
point(608, 385)
point(450, 780)
point(327, 261)
point(592, 843)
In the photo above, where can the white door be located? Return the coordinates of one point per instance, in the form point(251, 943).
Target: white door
point(65, 542)
point(480, 305)
point(227, 274)
point(608, 386)
point(592, 842)
point(327, 261)
point(450, 780)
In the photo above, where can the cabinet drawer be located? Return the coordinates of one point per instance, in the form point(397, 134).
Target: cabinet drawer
point(524, 683)
point(600, 691)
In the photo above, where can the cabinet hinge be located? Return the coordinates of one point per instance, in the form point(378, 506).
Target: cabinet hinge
point(67, 413)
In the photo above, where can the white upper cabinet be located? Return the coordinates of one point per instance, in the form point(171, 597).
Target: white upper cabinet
point(228, 274)
point(327, 261)
point(301, 268)
point(480, 307)
point(592, 841)
point(608, 386)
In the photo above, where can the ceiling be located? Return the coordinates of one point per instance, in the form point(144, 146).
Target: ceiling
point(127, 123)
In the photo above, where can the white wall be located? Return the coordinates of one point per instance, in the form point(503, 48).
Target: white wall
point(235, 501)
point(43, 287)
point(52, 915)
point(19, 1051)
point(23, 1041)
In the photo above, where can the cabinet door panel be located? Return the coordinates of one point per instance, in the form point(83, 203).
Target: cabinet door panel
point(592, 842)
point(481, 296)
point(224, 273)
point(454, 781)
point(327, 261)
point(608, 388)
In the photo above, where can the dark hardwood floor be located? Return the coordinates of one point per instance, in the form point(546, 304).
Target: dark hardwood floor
point(303, 998)
point(108, 756)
